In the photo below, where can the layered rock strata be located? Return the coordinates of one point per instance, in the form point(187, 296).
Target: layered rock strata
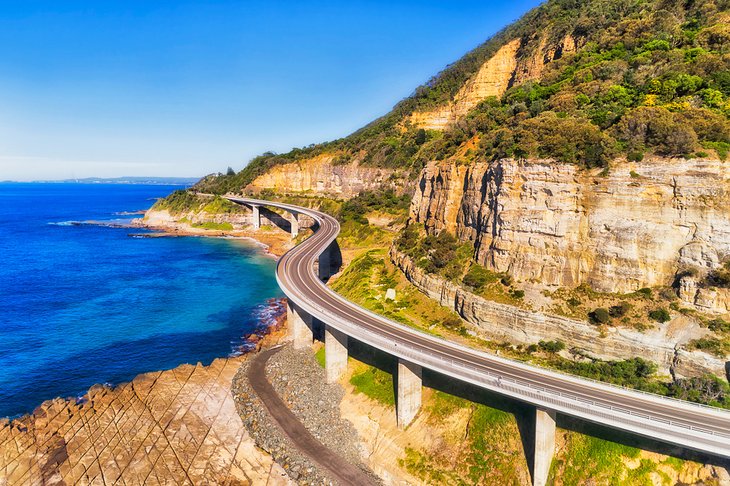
point(321, 176)
point(502, 322)
point(506, 68)
point(559, 225)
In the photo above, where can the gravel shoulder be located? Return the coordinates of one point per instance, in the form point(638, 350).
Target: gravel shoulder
point(324, 447)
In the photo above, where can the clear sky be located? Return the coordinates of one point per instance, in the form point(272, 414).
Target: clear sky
point(183, 88)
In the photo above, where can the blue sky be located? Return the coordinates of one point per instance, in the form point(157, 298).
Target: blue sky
point(182, 88)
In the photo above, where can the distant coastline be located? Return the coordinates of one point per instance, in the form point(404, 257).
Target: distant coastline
point(155, 181)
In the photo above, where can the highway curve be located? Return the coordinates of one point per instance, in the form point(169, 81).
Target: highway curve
point(701, 428)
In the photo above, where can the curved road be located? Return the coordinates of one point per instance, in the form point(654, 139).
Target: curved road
point(697, 427)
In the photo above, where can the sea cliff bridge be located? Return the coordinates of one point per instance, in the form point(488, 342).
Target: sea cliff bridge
point(691, 426)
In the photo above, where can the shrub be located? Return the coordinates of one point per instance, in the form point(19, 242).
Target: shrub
point(701, 389)
point(518, 294)
point(453, 323)
point(619, 310)
point(720, 277)
point(552, 346)
point(660, 315)
point(478, 276)
point(573, 302)
point(645, 292)
point(713, 346)
point(570, 139)
point(600, 316)
point(719, 325)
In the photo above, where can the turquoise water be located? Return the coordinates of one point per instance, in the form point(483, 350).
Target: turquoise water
point(87, 303)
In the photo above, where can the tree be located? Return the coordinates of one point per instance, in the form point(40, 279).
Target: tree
point(660, 315)
point(651, 126)
point(230, 172)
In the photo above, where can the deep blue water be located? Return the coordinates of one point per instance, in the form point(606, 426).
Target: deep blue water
point(86, 304)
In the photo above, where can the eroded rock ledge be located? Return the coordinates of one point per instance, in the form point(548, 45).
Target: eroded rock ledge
point(503, 322)
point(178, 426)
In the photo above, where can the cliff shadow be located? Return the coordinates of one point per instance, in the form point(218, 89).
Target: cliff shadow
point(336, 259)
point(372, 356)
point(275, 219)
point(523, 413)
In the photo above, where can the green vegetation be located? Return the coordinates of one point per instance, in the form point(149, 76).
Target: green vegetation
point(443, 255)
point(702, 389)
point(718, 347)
point(660, 315)
point(210, 225)
point(633, 372)
point(319, 356)
point(552, 346)
point(375, 384)
point(648, 77)
point(719, 277)
point(183, 201)
point(385, 200)
point(478, 442)
point(600, 316)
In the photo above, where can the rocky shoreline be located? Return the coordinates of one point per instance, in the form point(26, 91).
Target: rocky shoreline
point(272, 243)
point(178, 426)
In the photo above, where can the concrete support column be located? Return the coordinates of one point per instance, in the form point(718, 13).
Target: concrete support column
point(408, 401)
point(335, 353)
point(294, 225)
point(323, 267)
point(256, 217)
point(300, 326)
point(544, 446)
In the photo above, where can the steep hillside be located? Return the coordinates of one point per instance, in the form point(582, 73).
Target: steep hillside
point(582, 82)
point(572, 166)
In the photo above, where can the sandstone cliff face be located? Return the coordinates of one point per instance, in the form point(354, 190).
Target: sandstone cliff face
point(502, 322)
point(508, 67)
point(163, 218)
point(555, 224)
point(321, 177)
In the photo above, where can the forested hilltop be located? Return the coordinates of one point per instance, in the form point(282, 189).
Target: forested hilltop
point(588, 82)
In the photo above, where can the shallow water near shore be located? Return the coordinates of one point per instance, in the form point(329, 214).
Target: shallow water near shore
point(86, 303)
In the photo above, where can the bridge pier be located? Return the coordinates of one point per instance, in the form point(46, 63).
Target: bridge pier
point(324, 263)
point(300, 326)
point(335, 353)
point(256, 217)
point(294, 225)
point(542, 456)
point(408, 399)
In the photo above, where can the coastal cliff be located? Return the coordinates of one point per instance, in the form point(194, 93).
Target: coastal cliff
point(509, 66)
point(501, 322)
point(322, 176)
point(556, 224)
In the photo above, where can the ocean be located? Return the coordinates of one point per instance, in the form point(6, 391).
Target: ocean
point(84, 301)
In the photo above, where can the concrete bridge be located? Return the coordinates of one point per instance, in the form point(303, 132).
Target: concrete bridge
point(691, 426)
